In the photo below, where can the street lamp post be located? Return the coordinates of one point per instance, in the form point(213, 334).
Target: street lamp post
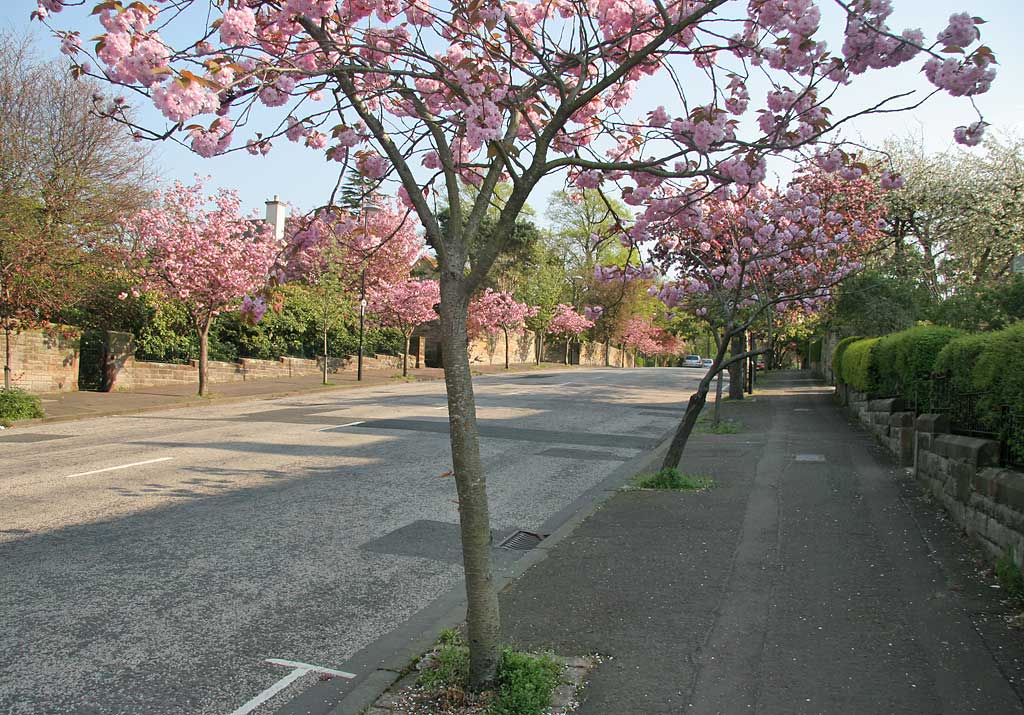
point(362, 321)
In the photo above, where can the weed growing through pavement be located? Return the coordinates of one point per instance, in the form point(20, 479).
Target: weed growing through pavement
point(524, 684)
point(723, 427)
point(672, 479)
point(1009, 574)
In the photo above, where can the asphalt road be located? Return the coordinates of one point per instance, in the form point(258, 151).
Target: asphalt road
point(152, 563)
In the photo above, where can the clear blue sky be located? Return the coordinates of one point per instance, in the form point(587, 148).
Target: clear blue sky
point(304, 178)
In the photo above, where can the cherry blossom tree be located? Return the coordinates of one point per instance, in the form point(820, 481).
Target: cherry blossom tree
point(200, 250)
point(641, 336)
point(405, 306)
point(495, 310)
point(755, 253)
point(568, 324)
point(425, 95)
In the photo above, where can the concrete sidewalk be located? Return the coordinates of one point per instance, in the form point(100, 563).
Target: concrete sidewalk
point(62, 406)
point(813, 578)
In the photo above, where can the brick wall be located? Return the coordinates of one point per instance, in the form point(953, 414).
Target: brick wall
point(45, 360)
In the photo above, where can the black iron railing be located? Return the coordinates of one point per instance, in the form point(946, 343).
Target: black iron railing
point(966, 416)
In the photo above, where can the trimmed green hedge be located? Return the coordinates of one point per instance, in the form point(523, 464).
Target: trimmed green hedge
point(903, 362)
point(857, 366)
point(837, 356)
point(992, 366)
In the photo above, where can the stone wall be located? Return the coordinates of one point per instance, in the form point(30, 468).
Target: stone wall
point(132, 374)
point(961, 472)
point(45, 360)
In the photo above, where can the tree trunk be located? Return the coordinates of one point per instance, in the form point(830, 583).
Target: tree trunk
point(693, 408)
point(482, 619)
point(567, 341)
point(736, 377)
point(405, 356)
point(506, 347)
point(204, 358)
point(607, 351)
point(7, 358)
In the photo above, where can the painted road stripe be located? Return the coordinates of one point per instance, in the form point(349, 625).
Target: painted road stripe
point(350, 424)
point(298, 670)
point(123, 466)
point(307, 666)
point(270, 692)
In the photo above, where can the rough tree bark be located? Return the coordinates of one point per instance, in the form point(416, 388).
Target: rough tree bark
point(505, 330)
point(474, 518)
point(325, 352)
point(204, 356)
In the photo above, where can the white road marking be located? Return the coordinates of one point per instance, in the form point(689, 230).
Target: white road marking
point(350, 424)
point(307, 666)
point(441, 407)
point(298, 670)
point(123, 466)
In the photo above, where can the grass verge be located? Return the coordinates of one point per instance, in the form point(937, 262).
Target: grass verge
point(17, 404)
point(672, 479)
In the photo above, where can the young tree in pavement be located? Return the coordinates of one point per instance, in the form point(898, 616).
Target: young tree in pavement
point(405, 306)
point(200, 251)
point(485, 92)
point(754, 254)
point(568, 324)
point(493, 310)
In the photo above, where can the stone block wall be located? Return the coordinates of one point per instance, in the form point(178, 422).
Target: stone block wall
point(961, 472)
point(45, 360)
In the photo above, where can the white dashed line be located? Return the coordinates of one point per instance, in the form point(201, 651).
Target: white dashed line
point(350, 424)
point(123, 466)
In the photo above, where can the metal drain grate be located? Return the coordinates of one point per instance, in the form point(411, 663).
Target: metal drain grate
point(521, 541)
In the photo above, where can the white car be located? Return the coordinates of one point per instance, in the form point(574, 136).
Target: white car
point(691, 361)
point(706, 363)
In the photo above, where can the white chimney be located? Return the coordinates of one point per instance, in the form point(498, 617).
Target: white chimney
point(277, 212)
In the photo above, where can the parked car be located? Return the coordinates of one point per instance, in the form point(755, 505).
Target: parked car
point(691, 361)
point(760, 363)
point(706, 363)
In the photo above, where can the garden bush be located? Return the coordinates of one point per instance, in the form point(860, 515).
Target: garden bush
point(857, 367)
point(837, 356)
point(17, 404)
point(999, 377)
point(959, 358)
point(903, 362)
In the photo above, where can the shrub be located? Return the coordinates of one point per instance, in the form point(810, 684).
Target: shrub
point(999, 377)
point(525, 684)
point(959, 358)
point(858, 371)
point(837, 356)
point(17, 404)
point(903, 362)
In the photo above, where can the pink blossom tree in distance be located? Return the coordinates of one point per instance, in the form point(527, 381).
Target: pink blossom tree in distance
point(568, 324)
point(496, 310)
point(200, 251)
point(405, 306)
